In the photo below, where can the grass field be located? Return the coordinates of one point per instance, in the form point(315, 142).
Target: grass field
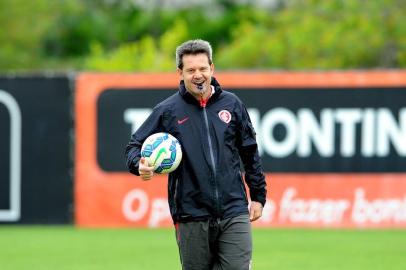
point(69, 248)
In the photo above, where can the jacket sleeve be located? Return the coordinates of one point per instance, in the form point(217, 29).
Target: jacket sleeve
point(152, 124)
point(248, 150)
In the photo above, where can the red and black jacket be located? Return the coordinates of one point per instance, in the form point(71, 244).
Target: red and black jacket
point(215, 137)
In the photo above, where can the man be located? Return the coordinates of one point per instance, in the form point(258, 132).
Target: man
point(206, 193)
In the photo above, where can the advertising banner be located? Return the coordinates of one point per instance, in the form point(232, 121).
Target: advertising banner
point(35, 150)
point(333, 147)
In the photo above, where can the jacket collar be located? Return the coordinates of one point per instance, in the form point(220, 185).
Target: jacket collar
point(191, 99)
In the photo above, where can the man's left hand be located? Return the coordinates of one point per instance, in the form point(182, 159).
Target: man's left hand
point(255, 211)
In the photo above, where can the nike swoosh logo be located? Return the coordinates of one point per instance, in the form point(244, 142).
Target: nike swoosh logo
point(161, 151)
point(180, 122)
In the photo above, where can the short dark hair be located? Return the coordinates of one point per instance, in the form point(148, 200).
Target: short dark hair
point(194, 46)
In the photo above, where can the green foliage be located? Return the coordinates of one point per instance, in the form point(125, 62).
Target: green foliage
point(325, 35)
point(21, 25)
point(144, 55)
point(113, 35)
point(73, 35)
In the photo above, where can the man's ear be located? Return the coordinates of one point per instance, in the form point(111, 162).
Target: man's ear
point(180, 72)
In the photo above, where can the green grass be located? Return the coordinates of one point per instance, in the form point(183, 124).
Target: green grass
point(60, 248)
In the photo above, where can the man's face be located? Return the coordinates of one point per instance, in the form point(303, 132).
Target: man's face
point(197, 71)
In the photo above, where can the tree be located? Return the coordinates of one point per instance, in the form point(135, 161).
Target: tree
point(128, 35)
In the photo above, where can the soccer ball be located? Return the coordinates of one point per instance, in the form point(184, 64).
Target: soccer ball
point(162, 151)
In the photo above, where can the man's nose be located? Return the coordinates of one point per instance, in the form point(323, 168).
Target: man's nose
point(197, 74)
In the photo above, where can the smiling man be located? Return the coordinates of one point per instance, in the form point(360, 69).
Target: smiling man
point(206, 193)
point(196, 71)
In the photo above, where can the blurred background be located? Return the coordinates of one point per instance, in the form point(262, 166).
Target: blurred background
point(103, 35)
point(325, 86)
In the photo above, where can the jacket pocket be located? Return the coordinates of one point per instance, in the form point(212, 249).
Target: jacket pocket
point(175, 196)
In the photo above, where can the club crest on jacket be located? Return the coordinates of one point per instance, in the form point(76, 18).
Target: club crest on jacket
point(225, 116)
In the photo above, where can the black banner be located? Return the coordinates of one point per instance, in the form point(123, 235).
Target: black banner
point(298, 129)
point(5, 149)
point(35, 150)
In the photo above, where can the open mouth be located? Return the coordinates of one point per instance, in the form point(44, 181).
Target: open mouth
point(199, 85)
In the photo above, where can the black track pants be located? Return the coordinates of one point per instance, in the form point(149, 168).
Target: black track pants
point(215, 245)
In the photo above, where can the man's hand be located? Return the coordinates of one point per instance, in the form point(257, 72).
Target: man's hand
point(146, 172)
point(255, 211)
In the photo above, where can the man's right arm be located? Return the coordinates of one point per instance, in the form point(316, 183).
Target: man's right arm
point(133, 150)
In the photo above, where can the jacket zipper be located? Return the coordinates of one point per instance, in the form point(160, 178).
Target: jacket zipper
point(206, 121)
